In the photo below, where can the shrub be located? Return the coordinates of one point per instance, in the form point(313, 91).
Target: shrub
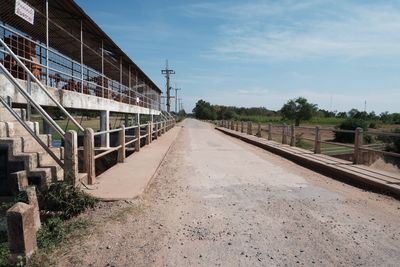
point(349, 124)
point(65, 199)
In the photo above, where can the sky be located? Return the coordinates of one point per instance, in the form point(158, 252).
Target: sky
point(339, 54)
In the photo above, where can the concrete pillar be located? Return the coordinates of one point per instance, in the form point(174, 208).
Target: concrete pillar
point(33, 201)
point(88, 155)
point(317, 143)
point(21, 230)
point(46, 127)
point(259, 130)
point(121, 140)
point(292, 135)
point(148, 132)
point(284, 134)
point(105, 126)
point(138, 118)
point(358, 141)
point(250, 128)
point(137, 135)
point(71, 157)
point(269, 131)
point(126, 120)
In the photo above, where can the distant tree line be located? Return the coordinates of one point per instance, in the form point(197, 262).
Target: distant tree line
point(295, 110)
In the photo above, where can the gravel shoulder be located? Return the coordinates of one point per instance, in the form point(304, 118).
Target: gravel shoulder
point(216, 201)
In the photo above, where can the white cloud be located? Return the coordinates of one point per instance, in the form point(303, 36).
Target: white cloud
point(290, 30)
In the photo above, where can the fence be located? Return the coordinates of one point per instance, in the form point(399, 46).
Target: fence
point(148, 131)
point(361, 147)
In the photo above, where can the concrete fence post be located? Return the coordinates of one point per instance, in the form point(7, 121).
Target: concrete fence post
point(242, 127)
point(121, 140)
point(232, 125)
point(148, 132)
point(317, 143)
point(250, 128)
point(237, 126)
point(358, 141)
point(259, 130)
point(292, 135)
point(284, 139)
point(71, 157)
point(88, 155)
point(21, 231)
point(269, 131)
point(137, 135)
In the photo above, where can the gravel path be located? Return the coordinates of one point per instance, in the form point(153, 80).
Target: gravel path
point(216, 201)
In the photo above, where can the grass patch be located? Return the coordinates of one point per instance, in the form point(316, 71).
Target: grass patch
point(65, 199)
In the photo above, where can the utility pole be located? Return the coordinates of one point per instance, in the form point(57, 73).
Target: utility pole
point(176, 99)
point(167, 72)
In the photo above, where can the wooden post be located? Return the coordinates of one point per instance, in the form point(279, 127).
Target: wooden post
point(242, 127)
point(88, 155)
point(237, 126)
point(137, 135)
point(358, 141)
point(232, 125)
point(284, 139)
point(259, 130)
point(317, 143)
point(269, 131)
point(71, 157)
point(292, 136)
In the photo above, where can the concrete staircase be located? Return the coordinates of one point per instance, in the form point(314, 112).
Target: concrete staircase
point(27, 160)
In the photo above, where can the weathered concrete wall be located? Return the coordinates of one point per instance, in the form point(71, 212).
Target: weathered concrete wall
point(69, 99)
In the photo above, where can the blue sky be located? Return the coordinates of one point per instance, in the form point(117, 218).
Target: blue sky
point(336, 53)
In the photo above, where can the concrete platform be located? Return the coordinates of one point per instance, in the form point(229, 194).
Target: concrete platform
point(333, 167)
point(128, 180)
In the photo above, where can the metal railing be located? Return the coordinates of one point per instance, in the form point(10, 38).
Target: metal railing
point(65, 73)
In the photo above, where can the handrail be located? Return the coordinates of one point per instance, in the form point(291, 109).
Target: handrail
point(32, 102)
point(32, 133)
point(40, 85)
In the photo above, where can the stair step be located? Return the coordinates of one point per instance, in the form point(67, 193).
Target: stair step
point(44, 174)
point(14, 144)
point(16, 129)
point(6, 116)
point(31, 145)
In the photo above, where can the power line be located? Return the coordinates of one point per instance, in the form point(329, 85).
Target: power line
point(167, 72)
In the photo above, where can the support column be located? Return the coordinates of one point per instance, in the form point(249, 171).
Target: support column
point(46, 127)
point(148, 132)
point(121, 140)
point(126, 119)
point(105, 126)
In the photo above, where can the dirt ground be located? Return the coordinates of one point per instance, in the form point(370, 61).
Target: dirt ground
point(217, 201)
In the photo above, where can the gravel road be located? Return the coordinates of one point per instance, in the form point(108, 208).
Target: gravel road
point(216, 201)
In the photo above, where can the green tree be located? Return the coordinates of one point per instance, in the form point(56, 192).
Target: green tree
point(204, 111)
point(298, 109)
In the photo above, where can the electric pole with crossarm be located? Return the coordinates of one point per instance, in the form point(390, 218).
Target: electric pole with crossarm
point(167, 72)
